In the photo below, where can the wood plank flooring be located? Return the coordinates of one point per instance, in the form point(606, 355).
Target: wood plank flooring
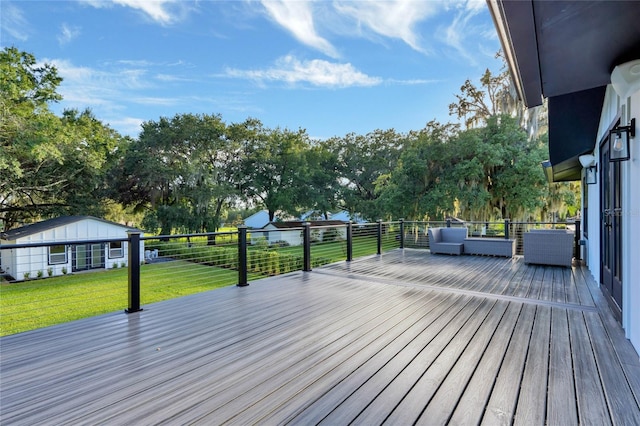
point(402, 338)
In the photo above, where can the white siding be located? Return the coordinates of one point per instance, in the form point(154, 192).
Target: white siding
point(632, 223)
point(630, 213)
point(33, 261)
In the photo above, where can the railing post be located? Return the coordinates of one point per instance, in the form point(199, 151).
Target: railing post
point(134, 271)
point(506, 229)
point(349, 241)
point(306, 242)
point(401, 233)
point(379, 236)
point(576, 242)
point(242, 256)
point(448, 223)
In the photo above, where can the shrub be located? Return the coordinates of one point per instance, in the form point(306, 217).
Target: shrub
point(40, 274)
point(281, 243)
point(26, 275)
point(64, 271)
point(330, 235)
point(50, 272)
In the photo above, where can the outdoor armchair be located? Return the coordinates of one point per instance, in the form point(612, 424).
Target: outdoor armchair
point(447, 240)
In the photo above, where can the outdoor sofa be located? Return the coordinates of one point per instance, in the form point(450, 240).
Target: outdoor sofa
point(456, 241)
point(548, 247)
point(447, 240)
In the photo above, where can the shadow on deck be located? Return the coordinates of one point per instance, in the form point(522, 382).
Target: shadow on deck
point(401, 338)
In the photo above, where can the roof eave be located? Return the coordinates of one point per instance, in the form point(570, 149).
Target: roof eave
point(525, 71)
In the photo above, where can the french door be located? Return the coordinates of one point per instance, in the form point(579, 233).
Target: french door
point(611, 230)
point(88, 256)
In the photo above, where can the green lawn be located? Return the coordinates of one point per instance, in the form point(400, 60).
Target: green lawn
point(39, 303)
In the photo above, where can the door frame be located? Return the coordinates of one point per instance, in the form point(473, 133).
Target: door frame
point(611, 233)
point(90, 251)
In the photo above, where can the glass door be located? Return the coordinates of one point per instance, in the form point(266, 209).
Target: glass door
point(611, 230)
point(97, 256)
point(80, 254)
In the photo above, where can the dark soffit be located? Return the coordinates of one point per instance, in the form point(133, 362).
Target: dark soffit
point(573, 122)
point(560, 48)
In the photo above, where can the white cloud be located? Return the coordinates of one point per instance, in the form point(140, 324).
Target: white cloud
point(412, 82)
point(127, 125)
point(154, 101)
point(316, 72)
point(68, 33)
point(14, 22)
point(457, 34)
point(164, 12)
point(156, 10)
point(103, 90)
point(393, 18)
point(172, 78)
point(297, 17)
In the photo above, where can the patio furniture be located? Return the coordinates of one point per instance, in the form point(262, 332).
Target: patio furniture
point(490, 246)
point(548, 247)
point(447, 240)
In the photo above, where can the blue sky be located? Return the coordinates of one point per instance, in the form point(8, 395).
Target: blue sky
point(330, 67)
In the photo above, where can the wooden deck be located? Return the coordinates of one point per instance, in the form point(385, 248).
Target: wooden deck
point(402, 338)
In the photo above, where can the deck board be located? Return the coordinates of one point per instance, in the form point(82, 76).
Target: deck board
point(561, 398)
point(502, 403)
point(591, 403)
point(400, 338)
point(532, 400)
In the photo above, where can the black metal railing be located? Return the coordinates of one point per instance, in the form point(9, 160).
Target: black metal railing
point(162, 267)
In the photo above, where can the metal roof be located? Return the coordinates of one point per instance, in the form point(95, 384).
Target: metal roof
point(45, 225)
point(299, 223)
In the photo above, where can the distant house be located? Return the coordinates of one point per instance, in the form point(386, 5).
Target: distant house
point(257, 220)
point(23, 263)
point(345, 216)
point(289, 232)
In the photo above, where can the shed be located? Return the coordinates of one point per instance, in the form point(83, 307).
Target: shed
point(80, 247)
point(257, 220)
point(345, 216)
point(290, 233)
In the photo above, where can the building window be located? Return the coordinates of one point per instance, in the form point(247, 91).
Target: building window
point(57, 255)
point(115, 250)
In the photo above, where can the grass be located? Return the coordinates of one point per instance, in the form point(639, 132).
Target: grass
point(40, 303)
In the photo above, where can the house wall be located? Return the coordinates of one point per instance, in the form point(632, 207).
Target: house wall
point(630, 213)
point(33, 260)
point(631, 241)
point(292, 237)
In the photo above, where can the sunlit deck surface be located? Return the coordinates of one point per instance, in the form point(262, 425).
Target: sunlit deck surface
point(402, 338)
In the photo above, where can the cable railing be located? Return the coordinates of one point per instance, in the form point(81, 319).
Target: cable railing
point(47, 283)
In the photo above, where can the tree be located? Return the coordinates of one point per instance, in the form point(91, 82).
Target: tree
point(482, 174)
point(361, 162)
point(273, 165)
point(321, 180)
point(496, 96)
point(48, 165)
point(182, 171)
point(416, 189)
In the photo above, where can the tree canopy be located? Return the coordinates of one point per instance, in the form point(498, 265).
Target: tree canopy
point(182, 174)
point(49, 165)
